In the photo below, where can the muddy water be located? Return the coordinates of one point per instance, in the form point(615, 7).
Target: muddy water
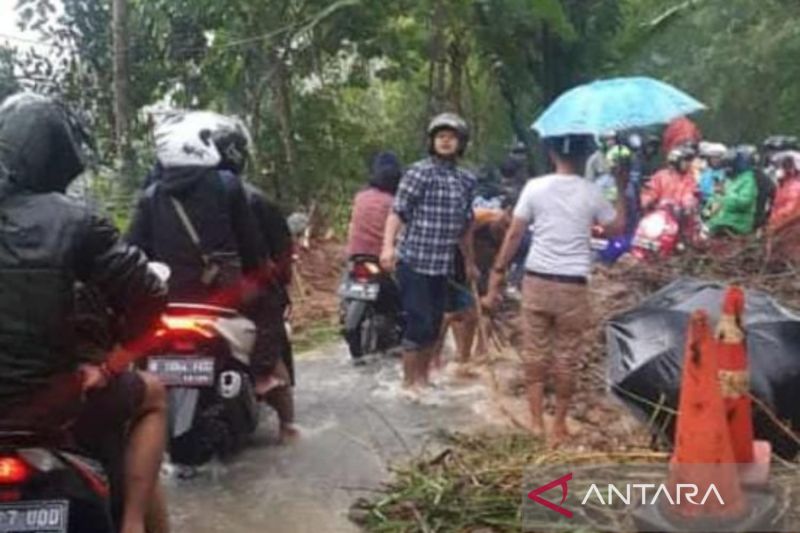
point(354, 424)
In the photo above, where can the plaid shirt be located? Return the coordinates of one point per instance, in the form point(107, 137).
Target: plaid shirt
point(434, 201)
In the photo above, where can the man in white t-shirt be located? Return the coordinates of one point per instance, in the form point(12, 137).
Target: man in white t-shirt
point(563, 207)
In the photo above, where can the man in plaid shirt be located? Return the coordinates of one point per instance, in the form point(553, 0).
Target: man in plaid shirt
point(432, 215)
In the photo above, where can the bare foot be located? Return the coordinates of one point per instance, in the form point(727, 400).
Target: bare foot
point(289, 433)
point(411, 392)
point(266, 384)
point(465, 371)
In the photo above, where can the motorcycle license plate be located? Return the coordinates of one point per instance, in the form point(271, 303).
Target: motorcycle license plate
point(362, 291)
point(39, 517)
point(182, 371)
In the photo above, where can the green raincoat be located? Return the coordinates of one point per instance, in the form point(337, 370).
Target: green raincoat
point(738, 211)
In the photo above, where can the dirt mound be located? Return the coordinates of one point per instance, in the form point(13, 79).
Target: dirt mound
point(599, 421)
point(318, 270)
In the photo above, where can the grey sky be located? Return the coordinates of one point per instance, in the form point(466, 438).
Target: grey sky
point(9, 32)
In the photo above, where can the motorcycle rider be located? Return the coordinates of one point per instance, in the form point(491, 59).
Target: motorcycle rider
point(680, 132)
point(598, 166)
point(737, 210)
point(48, 243)
point(713, 172)
point(371, 208)
point(650, 157)
point(271, 362)
point(787, 197)
point(372, 205)
point(195, 218)
point(433, 210)
point(772, 146)
point(675, 185)
point(620, 159)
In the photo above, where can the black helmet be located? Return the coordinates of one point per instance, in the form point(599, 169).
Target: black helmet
point(780, 143)
point(43, 144)
point(571, 146)
point(385, 172)
point(691, 149)
point(746, 158)
point(449, 121)
point(233, 143)
point(519, 149)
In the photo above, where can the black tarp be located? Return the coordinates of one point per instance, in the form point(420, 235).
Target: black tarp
point(646, 345)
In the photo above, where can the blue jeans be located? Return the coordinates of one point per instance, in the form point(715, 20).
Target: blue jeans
point(423, 299)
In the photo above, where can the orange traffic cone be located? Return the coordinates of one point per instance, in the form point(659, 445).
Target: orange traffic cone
point(734, 379)
point(734, 375)
point(703, 452)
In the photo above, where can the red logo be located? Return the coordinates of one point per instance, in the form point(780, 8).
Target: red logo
point(560, 482)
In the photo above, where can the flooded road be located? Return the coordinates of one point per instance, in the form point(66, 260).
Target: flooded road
point(354, 423)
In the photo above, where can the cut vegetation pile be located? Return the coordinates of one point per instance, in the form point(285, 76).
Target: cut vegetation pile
point(475, 483)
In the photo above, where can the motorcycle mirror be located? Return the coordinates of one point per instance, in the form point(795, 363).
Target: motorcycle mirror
point(161, 270)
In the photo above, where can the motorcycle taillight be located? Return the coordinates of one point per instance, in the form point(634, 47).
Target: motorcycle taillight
point(13, 470)
point(176, 326)
point(364, 271)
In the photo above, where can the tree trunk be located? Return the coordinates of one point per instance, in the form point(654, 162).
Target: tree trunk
point(257, 98)
point(121, 76)
point(282, 107)
point(438, 59)
point(549, 65)
point(459, 52)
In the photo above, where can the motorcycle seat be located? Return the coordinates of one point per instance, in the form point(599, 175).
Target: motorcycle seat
point(181, 308)
point(363, 258)
point(20, 435)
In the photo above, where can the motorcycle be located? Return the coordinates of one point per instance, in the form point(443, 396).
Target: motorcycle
point(45, 488)
point(202, 355)
point(608, 250)
point(369, 310)
point(664, 232)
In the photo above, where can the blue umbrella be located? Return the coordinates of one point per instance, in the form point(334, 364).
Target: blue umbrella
point(614, 104)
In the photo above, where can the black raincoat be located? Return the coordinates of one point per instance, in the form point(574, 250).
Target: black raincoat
point(275, 242)
point(216, 204)
point(48, 242)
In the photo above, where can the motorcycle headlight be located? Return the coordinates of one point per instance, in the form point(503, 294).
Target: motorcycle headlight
point(654, 225)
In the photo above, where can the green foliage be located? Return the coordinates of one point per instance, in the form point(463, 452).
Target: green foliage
point(324, 84)
point(8, 81)
point(737, 56)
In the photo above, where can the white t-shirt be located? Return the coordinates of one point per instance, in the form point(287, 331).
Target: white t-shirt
point(562, 210)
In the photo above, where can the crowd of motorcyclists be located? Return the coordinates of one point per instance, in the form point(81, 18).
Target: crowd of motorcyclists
point(710, 189)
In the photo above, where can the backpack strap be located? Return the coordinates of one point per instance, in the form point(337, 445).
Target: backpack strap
point(191, 231)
